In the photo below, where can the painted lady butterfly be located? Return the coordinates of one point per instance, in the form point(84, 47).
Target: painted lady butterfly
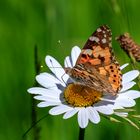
point(96, 66)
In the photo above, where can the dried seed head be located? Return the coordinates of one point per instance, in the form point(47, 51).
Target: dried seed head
point(129, 45)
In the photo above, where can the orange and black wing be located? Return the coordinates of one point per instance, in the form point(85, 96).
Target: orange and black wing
point(97, 55)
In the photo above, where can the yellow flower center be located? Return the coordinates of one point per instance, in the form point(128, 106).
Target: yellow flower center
point(81, 96)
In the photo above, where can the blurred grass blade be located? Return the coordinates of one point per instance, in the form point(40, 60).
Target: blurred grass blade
point(131, 122)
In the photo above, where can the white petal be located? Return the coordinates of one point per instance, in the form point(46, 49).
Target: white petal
point(70, 113)
point(127, 86)
point(48, 99)
point(133, 94)
point(125, 101)
point(93, 115)
point(129, 76)
point(47, 80)
point(56, 68)
point(68, 62)
point(83, 117)
point(115, 106)
point(121, 114)
point(60, 109)
point(44, 92)
point(74, 54)
point(123, 66)
point(104, 109)
point(46, 104)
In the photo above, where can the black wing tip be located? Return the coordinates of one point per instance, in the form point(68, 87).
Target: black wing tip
point(101, 36)
point(105, 27)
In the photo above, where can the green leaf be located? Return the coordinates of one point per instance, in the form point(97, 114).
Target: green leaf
point(136, 116)
point(131, 122)
point(114, 120)
point(125, 110)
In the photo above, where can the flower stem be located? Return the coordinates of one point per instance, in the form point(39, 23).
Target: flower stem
point(81, 133)
point(134, 65)
point(36, 129)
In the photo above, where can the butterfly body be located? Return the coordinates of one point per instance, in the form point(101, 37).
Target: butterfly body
point(96, 66)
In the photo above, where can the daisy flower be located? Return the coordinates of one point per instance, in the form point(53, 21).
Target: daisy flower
point(68, 98)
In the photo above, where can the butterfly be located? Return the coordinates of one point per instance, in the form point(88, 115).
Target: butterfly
point(96, 66)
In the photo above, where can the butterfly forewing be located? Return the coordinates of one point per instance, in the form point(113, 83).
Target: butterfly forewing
point(97, 49)
point(102, 36)
point(96, 65)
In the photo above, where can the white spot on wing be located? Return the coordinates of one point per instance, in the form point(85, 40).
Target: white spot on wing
point(110, 45)
point(88, 51)
point(108, 30)
point(110, 38)
point(97, 39)
point(99, 30)
point(93, 38)
point(104, 40)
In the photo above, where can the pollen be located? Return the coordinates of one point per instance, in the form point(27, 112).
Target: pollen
point(81, 96)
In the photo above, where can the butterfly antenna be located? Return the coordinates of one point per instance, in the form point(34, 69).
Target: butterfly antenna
point(66, 62)
point(54, 66)
point(55, 71)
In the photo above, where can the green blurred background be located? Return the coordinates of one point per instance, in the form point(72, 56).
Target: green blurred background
point(44, 23)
